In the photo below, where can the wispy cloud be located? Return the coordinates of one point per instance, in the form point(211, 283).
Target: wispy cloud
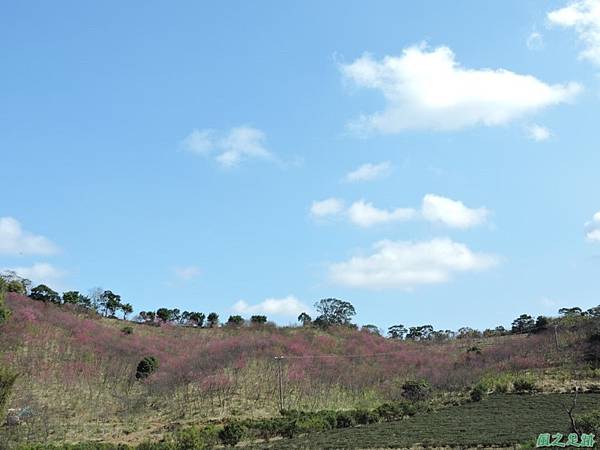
point(592, 228)
point(428, 89)
point(230, 148)
point(41, 273)
point(584, 17)
point(369, 172)
point(538, 133)
point(286, 307)
point(535, 41)
point(16, 241)
point(328, 207)
point(186, 273)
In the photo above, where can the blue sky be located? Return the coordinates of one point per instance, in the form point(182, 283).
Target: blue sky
point(430, 162)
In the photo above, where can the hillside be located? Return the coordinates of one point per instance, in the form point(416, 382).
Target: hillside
point(77, 371)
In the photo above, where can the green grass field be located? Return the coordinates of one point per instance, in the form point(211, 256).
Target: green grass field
point(500, 420)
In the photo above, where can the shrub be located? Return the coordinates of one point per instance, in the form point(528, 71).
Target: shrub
point(523, 385)
point(394, 411)
point(146, 367)
point(127, 330)
point(589, 423)
point(344, 420)
point(231, 434)
point(4, 311)
point(194, 438)
point(477, 393)
point(7, 380)
point(416, 390)
point(364, 416)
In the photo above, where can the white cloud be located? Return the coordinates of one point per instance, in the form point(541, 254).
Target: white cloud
point(368, 172)
point(584, 17)
point(592, 228)
point(327, 207)
point(232, 147)
point(428, 89)
point(538, 133)
point(288, 306)
point(452, 213)
point(15, 241)
point(434, 208)
point(407, 264)
point(535, 41)
point(186, 273)
point(40, 273)
point(365, 214)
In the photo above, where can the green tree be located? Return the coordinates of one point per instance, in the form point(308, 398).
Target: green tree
point(258, 320)
point(334, 312)
point(127, 309)
point(420, 333)
point(197, 318)
point(44, 294)
point(110, 303)
point(570, 312)
point(15, 283)
point(397, 332)
point(235, 321)
point(146, 367)
point(165, 314)
point(523, 324)
point(373, 329)
point(304, 319)
point(213, 320)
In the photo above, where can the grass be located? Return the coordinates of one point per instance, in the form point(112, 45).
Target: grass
point(500, 420)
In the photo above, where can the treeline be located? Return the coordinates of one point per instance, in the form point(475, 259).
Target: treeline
point(331, 312)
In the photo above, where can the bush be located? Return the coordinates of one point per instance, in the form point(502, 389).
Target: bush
point(231, 434)
point(589, 423)
point(127, 330)
point(416, 390)
point(7, 380)
point(195, 438)
point(364, 416)
point(523, 385)
point(477, 393)
point(395, 411)
point(344, 420)
point(146, 367)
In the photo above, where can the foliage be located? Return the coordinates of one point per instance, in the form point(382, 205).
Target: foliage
point(397, 331)
point(194, 438)
point(304, 319)
point(477, 393)
point(44, 294)
point(146, 367)
point(523, 324)
point(127, 330)
point(589, 423)
point(523, 384)
point(416, 390)
point(489, 424)
point(231, 434)
point(333, 311)
point(212, 320)
point(235, 321)
point(258, 320)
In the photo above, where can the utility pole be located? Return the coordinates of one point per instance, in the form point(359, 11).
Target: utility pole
point(279, 359)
